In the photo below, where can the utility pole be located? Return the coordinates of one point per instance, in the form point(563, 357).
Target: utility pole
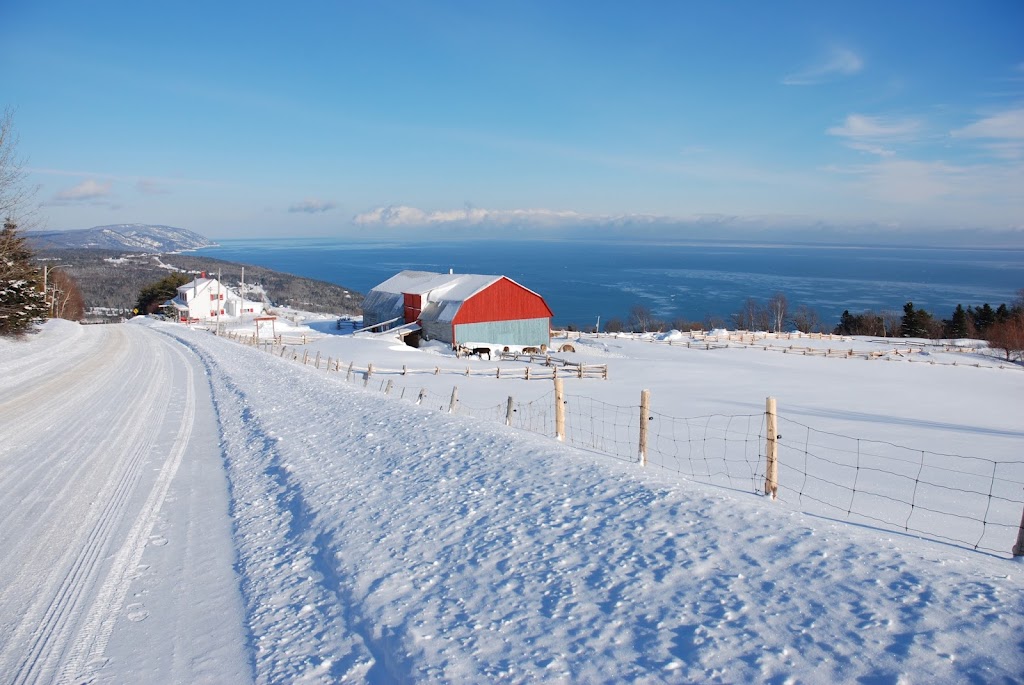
point(46, 272)
point(218, 301)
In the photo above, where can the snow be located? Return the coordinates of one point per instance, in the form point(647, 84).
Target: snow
point(202, 511)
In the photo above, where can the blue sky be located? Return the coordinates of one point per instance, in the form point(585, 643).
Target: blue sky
point(324, 118)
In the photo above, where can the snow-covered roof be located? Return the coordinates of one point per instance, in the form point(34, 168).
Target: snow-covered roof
point(442, 294)
point(196, 284)
point(451, 286)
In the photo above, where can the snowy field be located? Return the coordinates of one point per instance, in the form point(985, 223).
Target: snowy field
point(179, 507)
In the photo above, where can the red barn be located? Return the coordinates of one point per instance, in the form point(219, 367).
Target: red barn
point(462, 309)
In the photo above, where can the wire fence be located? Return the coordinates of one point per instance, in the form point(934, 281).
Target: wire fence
point(968, 501)
point(965, 500)
point(718, 449)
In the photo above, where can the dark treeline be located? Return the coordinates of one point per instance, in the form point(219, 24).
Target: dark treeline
point(1002, 326)
point(114, 280)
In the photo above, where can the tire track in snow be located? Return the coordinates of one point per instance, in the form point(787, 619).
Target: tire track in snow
point(64, 479)
point(52, 620)
point(48, 482)
point(99, 624)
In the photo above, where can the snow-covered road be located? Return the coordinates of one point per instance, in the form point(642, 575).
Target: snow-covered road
point(108, 442)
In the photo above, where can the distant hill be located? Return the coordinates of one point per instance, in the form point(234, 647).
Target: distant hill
point(122, 237)
point(113, 278)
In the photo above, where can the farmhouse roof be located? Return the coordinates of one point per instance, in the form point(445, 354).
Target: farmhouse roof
point(195, 283)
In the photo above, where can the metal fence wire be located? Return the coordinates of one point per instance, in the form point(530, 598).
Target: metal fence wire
point(536, 416)
point(717, 449)
point(607, 428)
point(967, 501)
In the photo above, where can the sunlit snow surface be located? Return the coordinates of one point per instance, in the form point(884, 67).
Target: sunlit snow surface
point(379, 541)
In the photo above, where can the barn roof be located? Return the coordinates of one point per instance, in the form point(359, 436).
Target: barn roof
point(442, 294)
point(449, 286)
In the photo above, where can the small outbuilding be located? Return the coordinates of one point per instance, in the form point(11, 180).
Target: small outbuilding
point(460, 309)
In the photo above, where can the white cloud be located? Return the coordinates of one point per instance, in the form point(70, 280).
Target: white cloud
point(1001, 135)
point(86, 190)
point(400, 215)
point(867, 134)
point(1004, 125)
point(861, 126)
point(839, 62)
point(871, 148)
point(312, 206)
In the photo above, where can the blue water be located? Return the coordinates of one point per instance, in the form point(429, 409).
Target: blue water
point(584, 280)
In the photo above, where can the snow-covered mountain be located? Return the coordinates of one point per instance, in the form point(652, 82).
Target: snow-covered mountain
point(130, 237)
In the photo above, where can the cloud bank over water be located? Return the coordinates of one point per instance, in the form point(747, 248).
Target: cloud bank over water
point(478, 222)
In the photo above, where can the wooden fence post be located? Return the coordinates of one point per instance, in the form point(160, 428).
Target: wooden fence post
point(645, 417)
point(455, 400)
point(508, 412)
point(305, 357)
point(348, 376)
point(318, 359)
point(423, 394)
point(387, 390)
point(771, 473)
point(559, 410)
point(1018, 549)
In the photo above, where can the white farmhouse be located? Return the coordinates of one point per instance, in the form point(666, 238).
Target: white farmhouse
point(207, 298)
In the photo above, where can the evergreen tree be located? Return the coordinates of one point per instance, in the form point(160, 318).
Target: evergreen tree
point(984, 317)
point(956, 327)
point(916, 323)
point(847, 324)
point(155, 294)
point(1002, 314)
point(22, 302)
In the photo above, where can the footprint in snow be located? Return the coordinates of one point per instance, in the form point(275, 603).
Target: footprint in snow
point(137, 612)
point(157, 540)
